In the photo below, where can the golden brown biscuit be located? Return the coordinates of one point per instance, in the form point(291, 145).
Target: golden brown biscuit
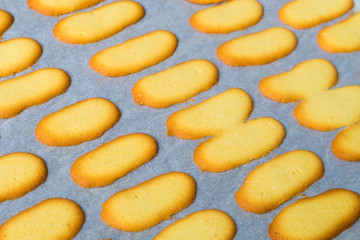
point(83, 121)
point(18, 54)
point(135, 54)
point(147, 204)
point(36, 88)
point(346, 144)
point(51, 219)
point(223, 111)
point(20, 173)
point(276, 181)
point(231, 16)
point(331, 109)
point(98, 24)
point(176, 84)
point(113, 160)
point(342, 37)
point(239, 145)
point(59, 7)
point(305, 79)
point(302, 14)
point(258, 48)
point(323, 216)
point(202, 225)
point(6, 20)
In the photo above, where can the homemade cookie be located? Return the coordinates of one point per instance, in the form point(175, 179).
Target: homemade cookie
point(98, 24)
point(346, 144)
point(341, 37)
point(6, 20)
point(302, 14)
point(59, 7)
point(276, 181)
point(258, 48)
point(206, 1)
point(147, 204)
point(223, 111)
point(113, 160)
point(135, 54)
point(324, 216)
point(176, 84)
point(239, 145)
point(228, 17)
point(32, 89)
point(305, 79)
point(18, 54)
point(331, 109)
point(83, 121)
point(202, 225)
point(51, 219)
point(20, 173)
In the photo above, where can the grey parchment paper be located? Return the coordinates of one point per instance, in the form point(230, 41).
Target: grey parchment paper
point(214, 190)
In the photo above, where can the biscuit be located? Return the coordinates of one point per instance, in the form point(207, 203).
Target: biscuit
point(40, 86)
point(113, 160)
point(305, 79)
point(60, 7)
point(231, 16)
point(6, 20)
point(54, 218)
point(206, 1)
point(324, 216)
point(330, 110)
point(149, 203)
point(346, 144)
point(20, 173)
point(176, 84)
point(98, 24)
point(258, 48)
point(223, 111)
point(239, 145)
point(135, 54)
point(18, 54)
point(83, 121)
point(276, 181)
point(201, 225)
point(302, 14)
point(342, 37)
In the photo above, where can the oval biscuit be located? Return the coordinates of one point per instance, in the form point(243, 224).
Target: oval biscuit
point(342, 37)
point(258, 48)
point(113, 160)
point(346, 144)
point(201, 225)
point(176, 84)
point(18, 54)
point(228, 17)
point(276, 181)
point(98, 24)
point(83, 121)
point(59, 7)
point(305, 79)
point(331, 109)
point(302, 14)
point(135, 54)
point(6, 20)
point(147, 204)
point(211, 116)
point(239, 145)
point(51, 219)
point(20, 173)
point(323, 216)
point(32, 89)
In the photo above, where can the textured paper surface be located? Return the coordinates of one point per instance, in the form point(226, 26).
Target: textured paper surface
point(215, 190)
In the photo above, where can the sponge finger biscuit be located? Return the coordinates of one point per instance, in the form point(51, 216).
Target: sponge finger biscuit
point(6, 20)
point(346, 144)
